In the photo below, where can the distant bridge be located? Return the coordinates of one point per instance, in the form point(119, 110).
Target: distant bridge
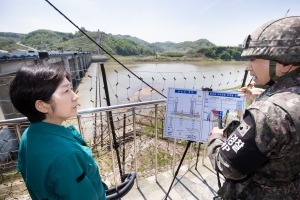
point(75, 62)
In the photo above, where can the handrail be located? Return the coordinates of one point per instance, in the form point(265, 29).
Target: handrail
point(88, 111)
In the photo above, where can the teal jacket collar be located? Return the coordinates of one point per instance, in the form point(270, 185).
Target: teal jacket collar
point(48, 128)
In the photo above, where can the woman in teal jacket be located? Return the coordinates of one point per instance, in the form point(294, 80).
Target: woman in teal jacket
point(54, 160)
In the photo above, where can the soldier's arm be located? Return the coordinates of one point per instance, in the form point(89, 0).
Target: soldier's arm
point(220, 164)
point(239, 155)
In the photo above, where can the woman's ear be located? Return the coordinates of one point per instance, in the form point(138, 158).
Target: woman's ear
point(42, 106)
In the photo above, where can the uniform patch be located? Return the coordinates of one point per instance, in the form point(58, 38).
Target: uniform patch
point(243, 128)
point(240, 149)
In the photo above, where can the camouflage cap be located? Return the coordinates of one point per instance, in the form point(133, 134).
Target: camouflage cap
point(277, 40)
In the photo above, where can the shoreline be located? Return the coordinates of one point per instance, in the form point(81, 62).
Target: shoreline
point(142, 59)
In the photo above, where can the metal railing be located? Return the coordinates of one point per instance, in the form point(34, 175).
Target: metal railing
point(139, 130)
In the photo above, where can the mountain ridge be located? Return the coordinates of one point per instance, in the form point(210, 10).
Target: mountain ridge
point(62, 40)
point(122, 45)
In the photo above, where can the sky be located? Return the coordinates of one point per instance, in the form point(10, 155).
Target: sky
point(222, 22)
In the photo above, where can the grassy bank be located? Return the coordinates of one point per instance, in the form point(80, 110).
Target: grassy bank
point(131, 59)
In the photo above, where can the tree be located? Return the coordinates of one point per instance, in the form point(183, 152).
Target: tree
point(211, 53)
point(236, 55)
point(225, 56)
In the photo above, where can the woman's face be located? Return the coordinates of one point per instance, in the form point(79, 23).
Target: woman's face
point(63, 103)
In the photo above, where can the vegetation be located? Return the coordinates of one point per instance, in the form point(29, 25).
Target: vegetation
point(223, 53)
point(184, 47)
point(163, 158)
point(9, 44)
point(10, 176)
point(52, 40)
point(171, 54)
point(10, 35)
point(6, 42)
point(120, 45)
point(164, 47)
point(124, 47)
point(149, 130)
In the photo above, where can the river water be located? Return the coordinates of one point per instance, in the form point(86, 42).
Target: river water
point(124, 87)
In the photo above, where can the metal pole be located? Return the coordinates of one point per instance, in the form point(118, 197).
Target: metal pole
point(198, 154)
point(204, 153)
point(116, 144)
point(18, 132)
point(101, 121)
point(124, 143)
point(79, 125)
point(178, 168)
point(111, 151)
point(189, 161)
point(156, 142)
point(135, 153)
point(95, 121)
point(174, 155)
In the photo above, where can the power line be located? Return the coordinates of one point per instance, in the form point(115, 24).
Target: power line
point(104, 49)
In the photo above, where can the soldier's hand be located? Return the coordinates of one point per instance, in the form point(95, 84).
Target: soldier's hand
point(250, 92)
point(216, 131)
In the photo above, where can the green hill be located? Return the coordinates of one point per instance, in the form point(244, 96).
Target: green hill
point(10, 35)
point(123, 45)
point(164, 47)
point(8, 41)
point(52, 40)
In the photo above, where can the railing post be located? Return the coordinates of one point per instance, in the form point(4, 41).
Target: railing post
point(18, 132)
point(155, 142)
point(111, 149)
point(135, 153)
point(124, 142)
point(174, 156)
point(189, 162)
point(79, 126)
point(204, 152)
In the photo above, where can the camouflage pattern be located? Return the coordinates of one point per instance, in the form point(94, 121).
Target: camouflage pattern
point(232, 122)
point(276, 113)
point(277, 40)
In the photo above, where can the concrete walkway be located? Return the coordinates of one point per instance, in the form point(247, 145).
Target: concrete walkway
point(190, 184)
point(200, 183)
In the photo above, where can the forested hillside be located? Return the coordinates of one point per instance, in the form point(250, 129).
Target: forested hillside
point(223, 53)
point(163, 47)
point(8, 41)
point(10, 35)
point(52, 40)
point(9, 44)
point(123, 45)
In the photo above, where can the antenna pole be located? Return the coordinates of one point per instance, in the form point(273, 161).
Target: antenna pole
point(287, 12)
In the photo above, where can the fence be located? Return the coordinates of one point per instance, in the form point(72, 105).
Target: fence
point(138, 120)
point(141, 147)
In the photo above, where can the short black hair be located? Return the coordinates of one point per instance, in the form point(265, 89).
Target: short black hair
point(35, 82)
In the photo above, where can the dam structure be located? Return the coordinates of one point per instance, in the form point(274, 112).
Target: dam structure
point(77, 63)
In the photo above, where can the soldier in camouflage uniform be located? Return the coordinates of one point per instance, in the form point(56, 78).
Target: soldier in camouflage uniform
point(261, 158)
